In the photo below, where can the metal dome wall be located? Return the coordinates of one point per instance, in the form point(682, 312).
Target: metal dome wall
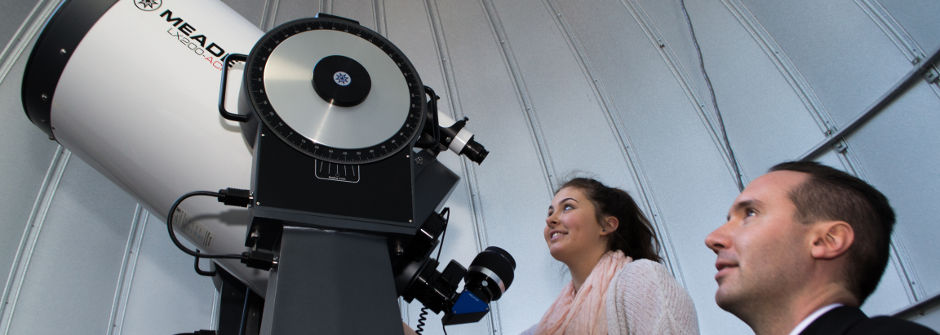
point(678, 102)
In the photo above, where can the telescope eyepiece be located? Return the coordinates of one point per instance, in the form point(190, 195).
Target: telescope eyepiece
point(490, 273)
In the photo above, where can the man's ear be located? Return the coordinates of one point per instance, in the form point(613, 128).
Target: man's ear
point(832, 239)
point(609, 225)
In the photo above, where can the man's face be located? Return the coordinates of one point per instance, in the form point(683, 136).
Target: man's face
point(762, 249)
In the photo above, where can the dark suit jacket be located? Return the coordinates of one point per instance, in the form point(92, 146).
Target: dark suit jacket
point(851, 320)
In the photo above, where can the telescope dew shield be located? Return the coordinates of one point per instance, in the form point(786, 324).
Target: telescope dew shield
point(131, 87)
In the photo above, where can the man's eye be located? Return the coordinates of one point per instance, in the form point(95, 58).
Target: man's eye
point(750, 212)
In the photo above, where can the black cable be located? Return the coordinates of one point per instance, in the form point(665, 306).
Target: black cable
point(445, 213)
point(432, 108)
point(199, 332)
point(711, 90)
point(176, 241)
point(421, 318)
point(202, 272)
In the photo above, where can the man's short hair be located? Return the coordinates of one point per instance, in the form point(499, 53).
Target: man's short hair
point(831, 194)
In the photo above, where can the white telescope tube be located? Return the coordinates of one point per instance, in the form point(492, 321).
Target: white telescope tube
point(137, 100)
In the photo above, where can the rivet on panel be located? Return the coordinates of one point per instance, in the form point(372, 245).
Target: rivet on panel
point(841, 147)
point(932, 76)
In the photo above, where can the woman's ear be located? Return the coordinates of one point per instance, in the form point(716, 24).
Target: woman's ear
point(609, 225)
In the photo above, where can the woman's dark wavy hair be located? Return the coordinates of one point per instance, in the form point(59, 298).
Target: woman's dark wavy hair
point(635, 235)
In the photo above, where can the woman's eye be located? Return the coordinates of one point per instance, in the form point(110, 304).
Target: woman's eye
point(568, 207)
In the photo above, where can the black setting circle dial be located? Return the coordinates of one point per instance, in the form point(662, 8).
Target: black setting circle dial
point(335, 90)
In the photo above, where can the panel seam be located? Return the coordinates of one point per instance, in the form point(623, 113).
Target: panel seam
point(269, 15)
point(785, 67)
point(30, 237)
point(655, 38)
point(23, 36)
point(532, 124)
point(326, 6)
point(477, 217)
point(624, 142)
point(125, 279)
point(468, 171)
point(899, 249)
point(453, 99)
point(378, 12)
point(895, 31)
point(522, 93)
point(892, 29)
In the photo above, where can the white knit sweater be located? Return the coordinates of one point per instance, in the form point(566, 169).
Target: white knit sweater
point(645, 299)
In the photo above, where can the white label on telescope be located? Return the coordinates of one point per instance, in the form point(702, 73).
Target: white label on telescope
point(342, 78)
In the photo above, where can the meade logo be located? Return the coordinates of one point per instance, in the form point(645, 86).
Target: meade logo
point(198, 44)
point(148, 5)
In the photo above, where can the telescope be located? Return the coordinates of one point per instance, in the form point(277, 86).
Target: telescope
point(319, 135)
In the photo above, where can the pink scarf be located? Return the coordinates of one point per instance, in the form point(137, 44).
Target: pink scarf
point(583, 311)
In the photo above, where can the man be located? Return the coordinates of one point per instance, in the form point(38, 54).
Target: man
point(803, 246)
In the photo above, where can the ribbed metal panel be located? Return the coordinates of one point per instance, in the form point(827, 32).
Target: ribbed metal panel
point(614, 89)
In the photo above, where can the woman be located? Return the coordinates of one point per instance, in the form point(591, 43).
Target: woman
point(617, 285)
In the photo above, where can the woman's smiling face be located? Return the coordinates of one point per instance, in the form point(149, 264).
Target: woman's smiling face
point(572, 228)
